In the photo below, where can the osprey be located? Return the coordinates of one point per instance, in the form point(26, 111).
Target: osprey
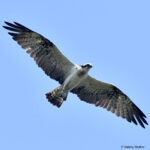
point(73, 78)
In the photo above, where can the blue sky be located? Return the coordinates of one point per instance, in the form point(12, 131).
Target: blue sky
point(112, 35)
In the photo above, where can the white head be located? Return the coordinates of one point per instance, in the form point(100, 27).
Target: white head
point(87, 66)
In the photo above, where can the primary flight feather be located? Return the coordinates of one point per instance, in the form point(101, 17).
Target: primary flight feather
point(73, 78)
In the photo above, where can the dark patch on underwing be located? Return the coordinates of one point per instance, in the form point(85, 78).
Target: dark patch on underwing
point(46, 43)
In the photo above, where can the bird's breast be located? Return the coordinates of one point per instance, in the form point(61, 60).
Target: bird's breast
point(75, 77)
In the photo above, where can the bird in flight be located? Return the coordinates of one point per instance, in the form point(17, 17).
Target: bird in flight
point(72, 77)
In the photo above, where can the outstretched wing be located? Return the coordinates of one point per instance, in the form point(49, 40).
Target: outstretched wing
point(111, 98)
point(44, 52)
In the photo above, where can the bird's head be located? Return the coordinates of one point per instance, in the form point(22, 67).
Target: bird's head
point(86, 66)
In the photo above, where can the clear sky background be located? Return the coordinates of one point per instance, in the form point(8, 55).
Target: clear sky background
point(113, 35)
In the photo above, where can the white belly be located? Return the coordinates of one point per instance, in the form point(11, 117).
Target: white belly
point(73, 80)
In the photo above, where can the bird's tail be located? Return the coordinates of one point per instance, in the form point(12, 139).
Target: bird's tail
point(57, 96)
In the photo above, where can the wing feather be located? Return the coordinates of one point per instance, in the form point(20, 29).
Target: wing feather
point(111, 98)
point(43, 51)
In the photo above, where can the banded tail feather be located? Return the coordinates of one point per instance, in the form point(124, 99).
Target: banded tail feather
point(57, 96)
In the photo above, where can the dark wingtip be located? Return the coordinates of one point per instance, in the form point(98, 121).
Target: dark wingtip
point(7, 22)
point(139, 111)
point(4, 27)
point(12, 29)
point(12, 34)
point(139, 115)
point(142, 118)
point(22, 26)
point(133, 120)
point(142, 125)
point(16, 23)
point(16, 27)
